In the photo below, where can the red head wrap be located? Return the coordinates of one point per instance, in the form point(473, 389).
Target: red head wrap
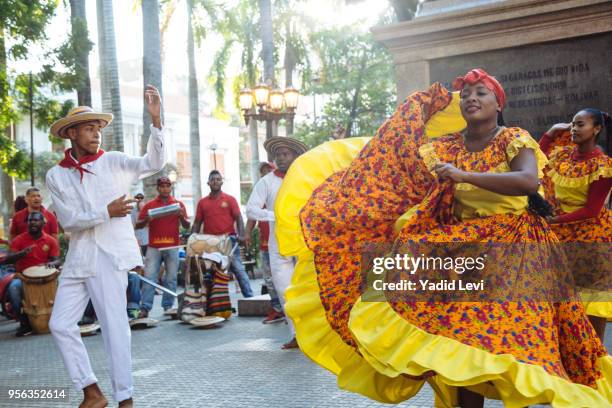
point(480, 75)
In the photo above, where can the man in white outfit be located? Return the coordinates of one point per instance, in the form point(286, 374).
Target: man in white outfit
point(284, 150)
point(89, 188)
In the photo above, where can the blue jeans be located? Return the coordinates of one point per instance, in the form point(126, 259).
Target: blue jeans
point(239, 272)
point(153, 261)
point(133, 292)
point(15, 296)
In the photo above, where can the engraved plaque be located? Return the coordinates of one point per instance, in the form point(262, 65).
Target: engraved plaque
point(545, 83)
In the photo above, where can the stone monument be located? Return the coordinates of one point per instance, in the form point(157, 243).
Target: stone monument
point(552, 57)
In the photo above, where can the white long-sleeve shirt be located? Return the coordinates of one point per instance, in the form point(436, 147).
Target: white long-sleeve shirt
point(264, 194)
point(81, 207)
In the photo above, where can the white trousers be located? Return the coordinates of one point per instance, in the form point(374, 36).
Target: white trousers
point(107, 291)
point(282, 268)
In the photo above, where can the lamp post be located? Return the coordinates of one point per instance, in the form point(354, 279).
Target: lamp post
point(213, 147)
point(266, 105)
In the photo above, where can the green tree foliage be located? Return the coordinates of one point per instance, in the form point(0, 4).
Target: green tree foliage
point(240, 32)
point(68, 69)
point(22, 23)
point(357, 79)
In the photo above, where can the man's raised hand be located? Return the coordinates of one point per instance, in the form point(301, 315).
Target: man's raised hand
point(153, 103)
point(120, 207)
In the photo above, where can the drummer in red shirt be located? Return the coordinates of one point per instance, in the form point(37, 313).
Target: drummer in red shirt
point(19, 223)
point(220, 214)
point(163, 233)
point(31, 248)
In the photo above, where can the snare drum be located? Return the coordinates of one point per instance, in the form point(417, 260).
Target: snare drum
point(39, 287)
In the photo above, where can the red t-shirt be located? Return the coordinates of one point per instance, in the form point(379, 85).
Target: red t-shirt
point(19, 224)
point(163, 231)
point(218, 214)
point(45, 247)
point(264, 234)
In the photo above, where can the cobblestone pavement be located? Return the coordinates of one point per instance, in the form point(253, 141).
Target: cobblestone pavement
point(239, 364)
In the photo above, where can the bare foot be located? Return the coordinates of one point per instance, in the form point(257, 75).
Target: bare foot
point(93, 397)
point(128, 403)
point(291, 344)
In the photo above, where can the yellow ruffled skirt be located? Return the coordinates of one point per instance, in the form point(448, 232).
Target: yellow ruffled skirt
point(377, 352)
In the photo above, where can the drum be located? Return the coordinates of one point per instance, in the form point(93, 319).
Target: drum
point(199, 244)
point(39, 287)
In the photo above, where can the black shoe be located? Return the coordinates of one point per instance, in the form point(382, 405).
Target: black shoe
point(23, 331)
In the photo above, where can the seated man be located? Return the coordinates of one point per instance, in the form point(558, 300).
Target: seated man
point(31, 248)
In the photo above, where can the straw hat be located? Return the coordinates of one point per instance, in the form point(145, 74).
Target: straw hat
point(274, 143)
point(78, 115)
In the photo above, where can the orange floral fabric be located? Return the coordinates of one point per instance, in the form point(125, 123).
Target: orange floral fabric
point(590, 263)
point(360, 205)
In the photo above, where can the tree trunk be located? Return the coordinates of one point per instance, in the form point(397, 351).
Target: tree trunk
point(267, 43)
point(7, 183)
point(253, 135)
point(355, 101)
point(290, 62)
point(151, 73)
point(254, 143)
point(78, 21)
point(194, 111)
point(109, 75)
point(7, 192)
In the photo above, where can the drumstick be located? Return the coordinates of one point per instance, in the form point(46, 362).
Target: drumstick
point(155, 285)
point(172, 247)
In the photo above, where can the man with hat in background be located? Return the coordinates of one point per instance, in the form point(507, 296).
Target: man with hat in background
point(260, 207)
point(89, 190)
point(163, 233)
point(275, 314)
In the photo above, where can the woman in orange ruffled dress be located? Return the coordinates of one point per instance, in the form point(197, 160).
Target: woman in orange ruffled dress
point(468, 187)
point(580, 174)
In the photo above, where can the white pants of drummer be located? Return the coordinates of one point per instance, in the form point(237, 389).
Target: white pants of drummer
point(282, 272)
point(107, 291)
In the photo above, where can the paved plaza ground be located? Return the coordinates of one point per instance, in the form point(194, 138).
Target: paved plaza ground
point(239, 364)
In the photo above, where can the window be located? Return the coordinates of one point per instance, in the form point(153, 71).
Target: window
point(183, 163)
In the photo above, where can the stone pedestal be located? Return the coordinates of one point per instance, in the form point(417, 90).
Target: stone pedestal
point(552, 57)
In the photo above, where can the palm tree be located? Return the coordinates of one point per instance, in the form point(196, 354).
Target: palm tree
point(239, 32)
point(78, 21)
point(151, 72)
point(293, 30)
point(194, 111)
point(267, 46)
point(109, 74)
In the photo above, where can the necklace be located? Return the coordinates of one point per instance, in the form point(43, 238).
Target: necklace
point(481, 143)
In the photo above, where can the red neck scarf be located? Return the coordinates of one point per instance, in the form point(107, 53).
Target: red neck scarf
point(279, 173)
point(70, 162)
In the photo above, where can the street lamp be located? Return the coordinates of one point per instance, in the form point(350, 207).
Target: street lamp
point(213, 147)
point(270, 105)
